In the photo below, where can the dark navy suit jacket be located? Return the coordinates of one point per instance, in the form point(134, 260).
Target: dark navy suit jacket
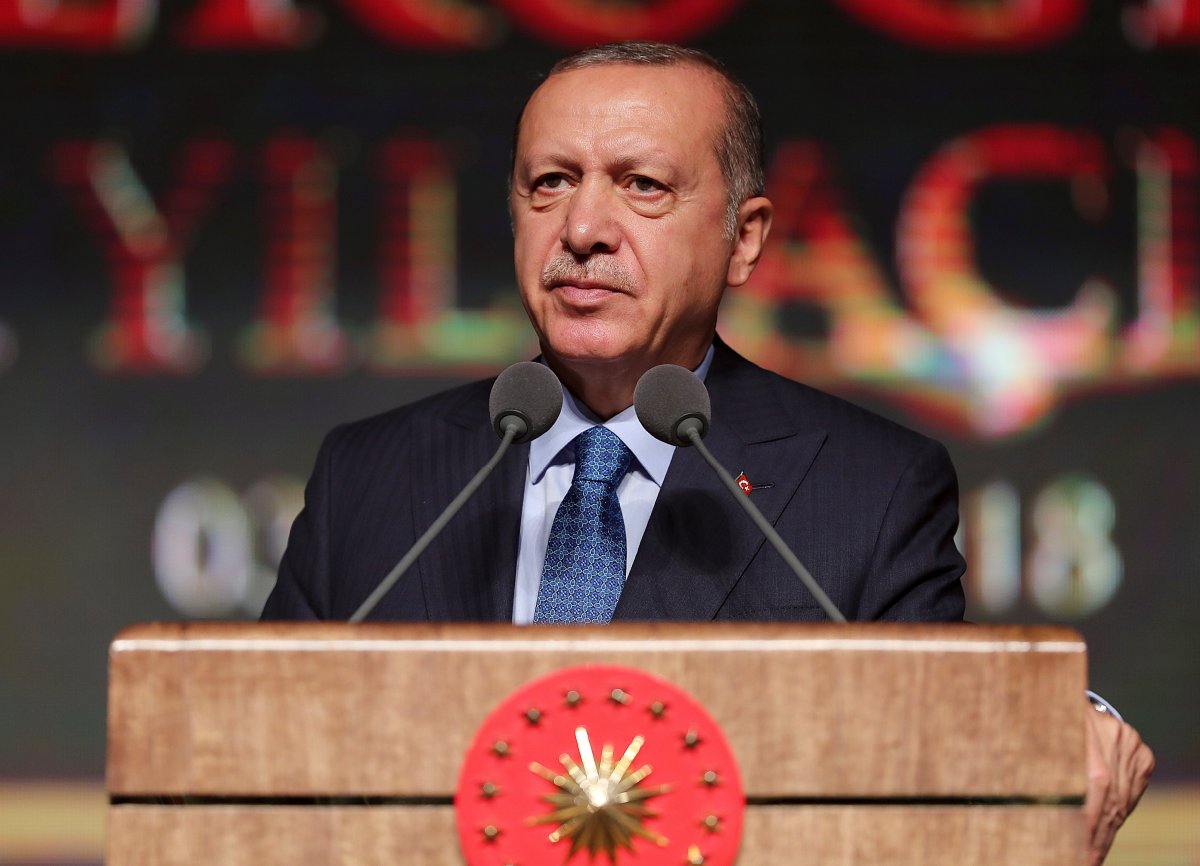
point(869, 506)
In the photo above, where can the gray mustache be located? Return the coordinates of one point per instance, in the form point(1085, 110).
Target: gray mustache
point(566, 268)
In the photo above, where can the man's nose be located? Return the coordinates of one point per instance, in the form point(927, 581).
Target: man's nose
point(591, 225)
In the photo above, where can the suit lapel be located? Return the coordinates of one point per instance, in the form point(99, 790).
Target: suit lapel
point(699, 541)
point(468, 573)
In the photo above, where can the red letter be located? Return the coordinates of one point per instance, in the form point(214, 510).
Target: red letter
point(428, 23)
point(579, 23)
point(419, 323)
point(247, 24)
point(968, 25)
point(1012, 358)
point(296, 331)
point(1165, 334)
point(816, 256)
point(97, 25)
point(1163, 22)
point(146, 331)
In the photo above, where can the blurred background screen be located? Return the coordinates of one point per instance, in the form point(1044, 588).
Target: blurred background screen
point(227, 226)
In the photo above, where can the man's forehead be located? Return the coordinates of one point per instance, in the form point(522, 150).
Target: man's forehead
point(685, 96)
point(665, 80)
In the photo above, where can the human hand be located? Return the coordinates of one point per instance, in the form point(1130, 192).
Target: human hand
point(1119, 768)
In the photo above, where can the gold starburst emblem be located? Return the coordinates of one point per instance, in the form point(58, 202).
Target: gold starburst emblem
point(599, 806)
point(601, 803)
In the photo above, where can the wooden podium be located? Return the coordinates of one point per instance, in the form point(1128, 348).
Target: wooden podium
point(334, 744)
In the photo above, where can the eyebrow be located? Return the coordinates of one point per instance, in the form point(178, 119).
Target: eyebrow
point(550, 158)
point(656, 160)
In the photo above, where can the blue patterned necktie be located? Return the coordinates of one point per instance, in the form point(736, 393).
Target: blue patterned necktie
point(585, 557)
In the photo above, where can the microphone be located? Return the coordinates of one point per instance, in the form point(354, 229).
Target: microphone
point(525, 401)
point(526, 398)
point(673, 405)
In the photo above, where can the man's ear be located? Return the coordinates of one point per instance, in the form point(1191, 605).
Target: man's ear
point(753, 226)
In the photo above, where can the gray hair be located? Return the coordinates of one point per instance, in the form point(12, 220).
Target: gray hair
point(739, 141)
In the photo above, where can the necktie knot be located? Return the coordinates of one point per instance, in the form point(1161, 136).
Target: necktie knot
point(600, 455)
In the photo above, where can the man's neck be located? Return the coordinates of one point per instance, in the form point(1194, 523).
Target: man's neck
point(606, 387)
point(605, 391)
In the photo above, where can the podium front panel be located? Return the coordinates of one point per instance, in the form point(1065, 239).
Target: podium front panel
point(862, 743)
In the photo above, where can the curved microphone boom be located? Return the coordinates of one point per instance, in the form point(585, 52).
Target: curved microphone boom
point(525, 401)
point(673, 405)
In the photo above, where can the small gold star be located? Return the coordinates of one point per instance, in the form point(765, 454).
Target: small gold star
point(711, 823)
point(500, 748)
point(491, 833)
point(691, 739)
point(488, 790)
point(573, 698)
point(533, 715)
point(709, 778)
point(695, 858)
point(658, 709)
point(619, 696)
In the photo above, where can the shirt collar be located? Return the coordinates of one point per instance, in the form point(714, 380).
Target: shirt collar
point(652, 454)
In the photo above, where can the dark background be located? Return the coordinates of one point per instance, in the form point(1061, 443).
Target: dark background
point(93, 459)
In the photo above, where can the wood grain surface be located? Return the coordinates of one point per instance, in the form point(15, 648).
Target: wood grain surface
point(861, 710)
point(425, 836)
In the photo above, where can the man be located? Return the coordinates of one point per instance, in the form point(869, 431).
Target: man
point(636, 199)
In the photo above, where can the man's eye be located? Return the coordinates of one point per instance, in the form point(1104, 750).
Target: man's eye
point(550, 181)
point(646, 184)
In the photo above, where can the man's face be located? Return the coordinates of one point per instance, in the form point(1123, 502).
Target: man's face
point(618, 207)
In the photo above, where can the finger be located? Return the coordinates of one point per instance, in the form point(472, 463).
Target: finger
point(1139, 766)
point(1124, 750)
point(1097, 777)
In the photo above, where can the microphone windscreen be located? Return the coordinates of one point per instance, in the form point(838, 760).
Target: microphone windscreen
point(529, 391)
point(667, 395)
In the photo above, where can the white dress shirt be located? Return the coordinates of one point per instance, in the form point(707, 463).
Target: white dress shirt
point(548, 478)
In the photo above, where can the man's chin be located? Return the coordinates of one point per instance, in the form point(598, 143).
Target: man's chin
point(577, 357)
point(594, 351)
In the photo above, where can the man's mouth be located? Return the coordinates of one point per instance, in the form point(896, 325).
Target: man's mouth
point(583, 285)
point(582, 293)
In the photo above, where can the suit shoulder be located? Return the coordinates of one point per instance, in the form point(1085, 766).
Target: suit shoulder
point(863, 449)
point(805, 407)
point(844, 416)
point(764, 399)
point(464, 406)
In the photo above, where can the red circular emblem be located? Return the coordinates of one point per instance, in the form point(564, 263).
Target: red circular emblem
point(599, 762)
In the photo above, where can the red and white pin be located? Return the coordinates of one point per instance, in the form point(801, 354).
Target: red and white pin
point(744, 483)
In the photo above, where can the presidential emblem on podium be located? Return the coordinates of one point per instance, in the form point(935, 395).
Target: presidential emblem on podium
point(599, 763)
